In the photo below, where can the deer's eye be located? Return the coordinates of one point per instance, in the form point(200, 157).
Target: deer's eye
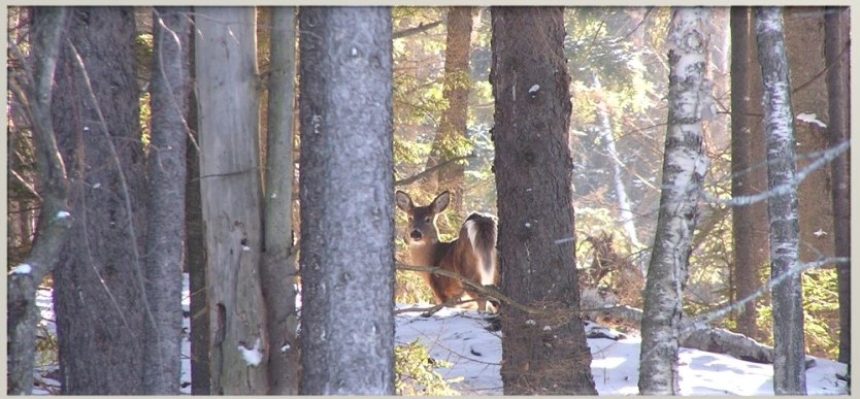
point(427, 219)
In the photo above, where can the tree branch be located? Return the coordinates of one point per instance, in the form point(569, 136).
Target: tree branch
point(422, 27)
point(412, 179)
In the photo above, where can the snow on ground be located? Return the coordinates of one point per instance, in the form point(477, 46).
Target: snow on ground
point(460, 338)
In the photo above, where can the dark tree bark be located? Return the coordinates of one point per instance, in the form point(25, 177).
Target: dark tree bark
point(749, 172)
point(99, 293)
point(804, 42)
point(347, 201)
point(452, 127)
point(542, 353)
point(195, 254)
point(227, 85)
point(789, 370)
point(684, 167)
point(837, 28)
point(278, 270)
point(54, 219)
point(165, 241)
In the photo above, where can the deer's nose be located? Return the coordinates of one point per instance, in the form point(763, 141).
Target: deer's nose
point(415, 234)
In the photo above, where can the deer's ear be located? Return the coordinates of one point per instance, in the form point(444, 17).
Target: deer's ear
point(441, 202)
point(403, 201)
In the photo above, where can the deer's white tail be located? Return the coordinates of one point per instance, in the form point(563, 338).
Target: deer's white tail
point(481, 231)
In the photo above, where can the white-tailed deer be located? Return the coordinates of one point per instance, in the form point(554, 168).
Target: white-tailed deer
point(472, 254)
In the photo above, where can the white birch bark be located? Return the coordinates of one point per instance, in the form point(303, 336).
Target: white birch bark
point(788, 366)
point(684, 167)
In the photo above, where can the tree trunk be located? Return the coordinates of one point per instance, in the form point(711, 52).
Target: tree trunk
point(279, 267)
point(452, 127)
point(231, 192)
point(165, 246)
point(99, 296)
point(347, 203)
point(195, 250)
point(789, 371)
point(749, 172)
point(22, 312)
point(684, 167)
point(837, 28)
point(543, 353)
point(804, 41)
point(607, 138)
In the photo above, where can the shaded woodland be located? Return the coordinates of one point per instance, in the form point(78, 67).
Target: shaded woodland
point(679, 174)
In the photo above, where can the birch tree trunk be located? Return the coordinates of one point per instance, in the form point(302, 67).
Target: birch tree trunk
point(837, 51)
point(543, 353)
point(231, 193)
point(788, 366)
point(279, 267)
point(54, 219)
point(684, 167)
point(347, 201)
point(165, 243)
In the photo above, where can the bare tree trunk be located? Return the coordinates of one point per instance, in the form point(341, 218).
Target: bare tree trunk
point(684, 168)
point(749, 174)
point(543, 353)
point(804, 41)
point(54, 220)
point(347, 203)
point(165, 245)
point(279, 266)
point(99, 295)
point(789, 371)
point(837, 29)
point(452, 127)
point(231, 192)
point(195, 255)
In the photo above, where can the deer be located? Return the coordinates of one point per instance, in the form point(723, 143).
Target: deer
point(472, 254)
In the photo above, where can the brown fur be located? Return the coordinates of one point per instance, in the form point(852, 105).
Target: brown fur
point(460, 256)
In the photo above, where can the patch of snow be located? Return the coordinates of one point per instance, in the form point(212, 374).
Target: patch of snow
point(63, 214)
point(534, 89)
point(810, 118)
point(819, 233)
point(23, 268)
point(97, 185)
point(252, 356)
point(246, 248)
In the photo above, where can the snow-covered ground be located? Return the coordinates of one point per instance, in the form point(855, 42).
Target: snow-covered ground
point(460, 337)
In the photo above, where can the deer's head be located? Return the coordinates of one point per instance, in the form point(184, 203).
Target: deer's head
point(421, 228)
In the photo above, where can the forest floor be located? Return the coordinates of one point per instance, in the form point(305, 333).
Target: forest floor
point(460, 338)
